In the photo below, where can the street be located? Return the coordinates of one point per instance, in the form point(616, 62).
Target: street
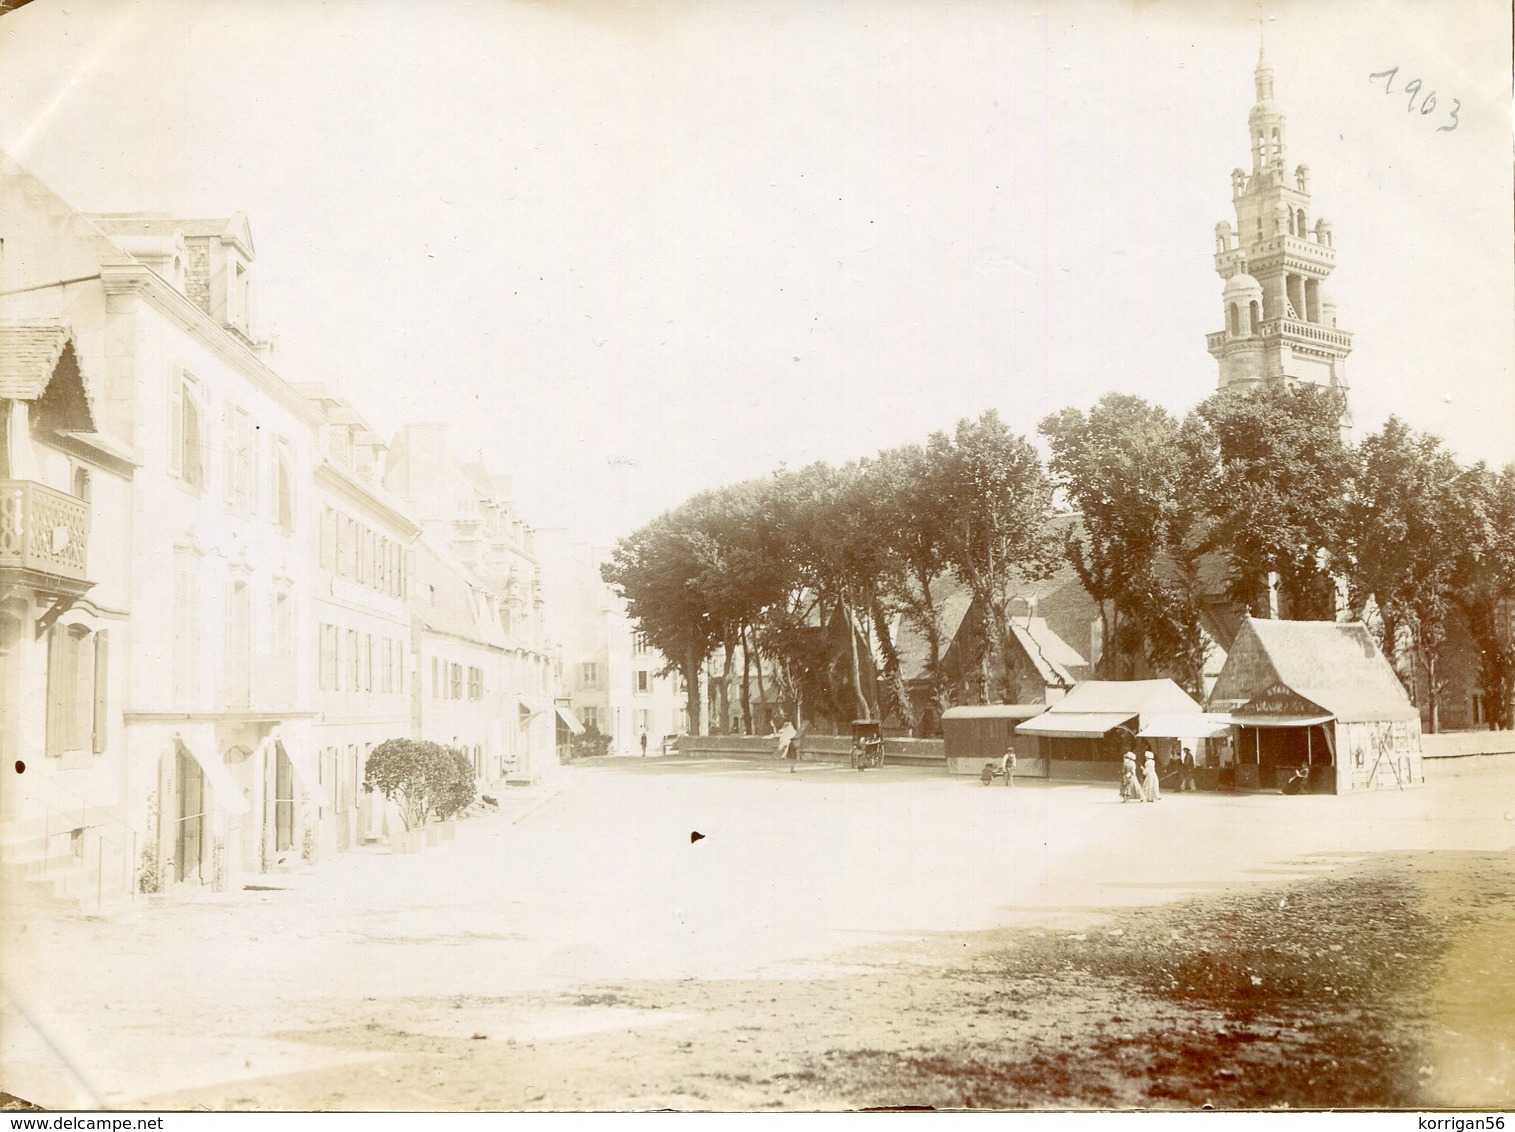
point(580, 950)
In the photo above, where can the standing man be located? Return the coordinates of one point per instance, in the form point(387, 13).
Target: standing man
point(1186, 769)
point(1007, 766)
point(644, 744)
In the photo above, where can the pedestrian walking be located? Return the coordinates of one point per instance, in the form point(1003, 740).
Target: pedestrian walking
point(1130, 788)
point(785, 736)
point(1151, 792)
point(644, 744)
point(1186, 769)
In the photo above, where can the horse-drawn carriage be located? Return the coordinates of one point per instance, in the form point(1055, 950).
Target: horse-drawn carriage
point(867, 744)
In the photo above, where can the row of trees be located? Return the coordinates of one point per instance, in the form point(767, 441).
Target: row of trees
point(1253, 501)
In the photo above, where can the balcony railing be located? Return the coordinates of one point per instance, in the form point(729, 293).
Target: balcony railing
point(43, 531)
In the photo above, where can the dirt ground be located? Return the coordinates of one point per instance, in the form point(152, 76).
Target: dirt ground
point(846, 942)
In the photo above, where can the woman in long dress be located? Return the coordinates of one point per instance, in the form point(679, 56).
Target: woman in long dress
point(1130, 785)
point(1151, 792)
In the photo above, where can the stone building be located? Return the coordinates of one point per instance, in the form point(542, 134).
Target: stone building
point(186, 539)
point(364, 643)
point(481, 608)
point(613, 680)
point(1280, 323)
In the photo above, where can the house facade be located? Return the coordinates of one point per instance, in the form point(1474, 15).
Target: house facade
point(613, 680)
point(364, 651)
point(183, 457)
point(480, 618)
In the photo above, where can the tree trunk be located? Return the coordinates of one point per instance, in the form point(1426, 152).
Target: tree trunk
point(892, 672)
point(762, 691)
point(728, 647)
point(1006, 654)
point(857, 671)
point(741, 632)
point(691, 670)
point(1433, 693)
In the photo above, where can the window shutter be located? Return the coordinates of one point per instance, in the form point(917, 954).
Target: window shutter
point(229, 448)
point(176, 423)
point(270, 485)
point(102, 691)
point(228, 650)
point(186, 629)
point(57, 685)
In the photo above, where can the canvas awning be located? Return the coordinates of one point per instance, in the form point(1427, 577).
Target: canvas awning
point(570, 721)
point(1186, 725)
point(305, 770)
point(1279, 720)
point(224, 792)
point(1075, 724)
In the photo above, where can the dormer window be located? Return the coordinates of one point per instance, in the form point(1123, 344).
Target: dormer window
point(239, 307)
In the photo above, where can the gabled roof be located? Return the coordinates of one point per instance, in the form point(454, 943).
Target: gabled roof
point(1335, 665)
point(1056, 660)
point(995, 711)
point(233, 229)
point(39, 361)
point(1134, 697)
point(953, 600)
point(29, 353)
point(455, 606)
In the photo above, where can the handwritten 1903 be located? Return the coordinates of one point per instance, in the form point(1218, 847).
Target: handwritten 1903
point(1412, 89)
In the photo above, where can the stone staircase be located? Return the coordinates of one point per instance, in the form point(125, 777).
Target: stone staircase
point(80, 860)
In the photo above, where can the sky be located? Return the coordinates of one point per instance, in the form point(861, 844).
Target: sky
point(630, 251)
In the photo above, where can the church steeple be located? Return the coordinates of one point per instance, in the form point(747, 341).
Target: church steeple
point(1279, 324)
point(1263, 75)
point(1267, 123)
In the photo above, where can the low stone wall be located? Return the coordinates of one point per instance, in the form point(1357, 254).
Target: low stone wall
point(1457, 744)
point(813, 749)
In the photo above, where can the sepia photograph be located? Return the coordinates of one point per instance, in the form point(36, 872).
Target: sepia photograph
point(811, 556)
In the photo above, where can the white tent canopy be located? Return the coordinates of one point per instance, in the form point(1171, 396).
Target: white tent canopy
point(1188, 725)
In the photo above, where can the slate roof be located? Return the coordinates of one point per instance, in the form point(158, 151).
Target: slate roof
point(29, 353)
point(1057, 661)
point(952, 601)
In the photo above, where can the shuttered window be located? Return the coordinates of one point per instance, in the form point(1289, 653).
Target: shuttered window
point(238, 645)
point(328, 539)
point(176, 424)
point(101, 706)
point(186, 628)
point(186, 428)
point(283, 493)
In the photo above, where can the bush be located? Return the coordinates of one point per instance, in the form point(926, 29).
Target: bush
point(426, 780)
point(455, 793)
point(591, 744)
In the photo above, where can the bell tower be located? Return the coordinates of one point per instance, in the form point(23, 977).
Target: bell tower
point(1280, 325)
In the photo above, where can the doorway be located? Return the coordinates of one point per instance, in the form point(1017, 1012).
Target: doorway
point(284, 801)
point(189, 832)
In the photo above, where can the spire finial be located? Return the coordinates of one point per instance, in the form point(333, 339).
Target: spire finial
point(1263, 75)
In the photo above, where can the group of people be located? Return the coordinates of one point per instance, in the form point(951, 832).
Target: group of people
point(1145, 785)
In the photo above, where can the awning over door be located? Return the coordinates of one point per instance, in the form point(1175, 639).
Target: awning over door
point(570, 721)
point(1186, 725)
point(1074, 724)
point(225, 794)
point(305, 770)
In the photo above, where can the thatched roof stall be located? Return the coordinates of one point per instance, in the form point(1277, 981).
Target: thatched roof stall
point(1318, 694)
